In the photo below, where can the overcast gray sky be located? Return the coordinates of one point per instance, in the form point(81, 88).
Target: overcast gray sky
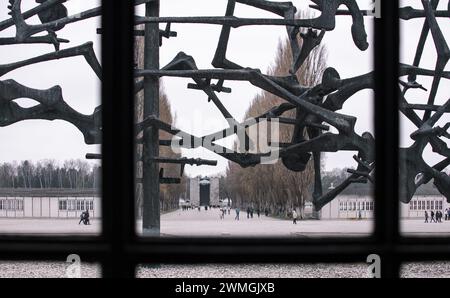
point(249, 46)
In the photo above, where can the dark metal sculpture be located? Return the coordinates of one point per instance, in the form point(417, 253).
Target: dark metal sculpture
point(316, 107)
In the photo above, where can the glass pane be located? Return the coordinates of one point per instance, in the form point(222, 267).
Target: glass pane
point(354, 270)
point(424, 167)
point(286, 114)
point(50, 117)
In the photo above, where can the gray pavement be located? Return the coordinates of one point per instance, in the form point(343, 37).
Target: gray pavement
point(208, 223)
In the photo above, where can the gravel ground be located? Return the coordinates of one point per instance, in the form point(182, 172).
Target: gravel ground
point(254, 271)
point(44, 270)
point(58, 270)
point(426, 270)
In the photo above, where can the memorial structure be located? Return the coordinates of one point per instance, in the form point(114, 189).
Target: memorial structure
point(317, 107)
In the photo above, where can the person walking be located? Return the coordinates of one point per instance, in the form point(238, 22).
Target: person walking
point(87, 221)
point(432, 216)
point(82, 215)
point(446, 214)
point(294, 217)
point(426, 216)
point(248, 212)
point(237, 213)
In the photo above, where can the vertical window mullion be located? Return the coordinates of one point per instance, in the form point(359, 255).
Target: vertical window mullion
point(387, 135)
point(118, 135)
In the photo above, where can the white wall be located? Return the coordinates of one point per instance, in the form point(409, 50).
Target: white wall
point(194, 190)
point(332, 209)
point(214, 191)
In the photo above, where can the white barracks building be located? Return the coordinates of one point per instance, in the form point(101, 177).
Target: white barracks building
point(353, 206)
point(48, 203)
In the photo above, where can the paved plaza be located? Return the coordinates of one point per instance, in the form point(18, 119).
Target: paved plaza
point(208, 223)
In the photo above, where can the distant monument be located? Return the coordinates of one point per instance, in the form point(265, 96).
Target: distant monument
point(204, 191)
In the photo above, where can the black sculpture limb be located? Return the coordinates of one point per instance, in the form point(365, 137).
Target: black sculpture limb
point(34, 39)
point(51, 107)
point(443, 53)
point(84, 50)
point(24, 31)
point(56, 12)
point(27, 14)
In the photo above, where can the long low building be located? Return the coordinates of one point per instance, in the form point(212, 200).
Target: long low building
point(49, 203)
point(64, 203)
point(354, 207)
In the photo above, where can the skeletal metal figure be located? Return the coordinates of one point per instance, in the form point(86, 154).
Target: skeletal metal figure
point(316, 107)
point(58, 11)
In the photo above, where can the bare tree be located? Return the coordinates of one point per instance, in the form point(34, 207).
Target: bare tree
point(274, 187)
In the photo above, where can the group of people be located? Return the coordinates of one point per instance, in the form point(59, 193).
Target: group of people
point(84, 218)
point(186, 207)
point(224, 210)
point(437, 217)
point(250, 212)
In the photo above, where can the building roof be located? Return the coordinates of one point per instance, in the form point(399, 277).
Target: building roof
point(48, 192)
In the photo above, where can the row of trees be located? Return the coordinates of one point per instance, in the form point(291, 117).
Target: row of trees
point(75, 174)
point(274, 186)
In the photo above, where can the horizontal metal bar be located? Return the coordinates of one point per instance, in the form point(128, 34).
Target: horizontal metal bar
point(234, 22)
point(406, 13)
point(184, 160)
point(45, 248)
point(213, 250)
point(165, 180)
point(264, 253)
point(236, 75)
point(93, 156)
point(424, 107)
point(344, 12)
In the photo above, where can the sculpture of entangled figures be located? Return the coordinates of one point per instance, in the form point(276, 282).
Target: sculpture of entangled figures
point(414, 170)
point(54, 16)
point(314, 105)
point(317, 107)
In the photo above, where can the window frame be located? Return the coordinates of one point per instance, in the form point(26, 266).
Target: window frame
point(119, 250)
